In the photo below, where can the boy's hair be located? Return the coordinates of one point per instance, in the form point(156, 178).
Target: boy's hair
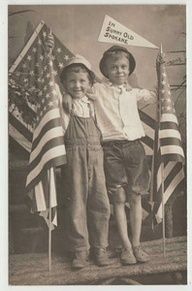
point(76, 68)
point(116, 52)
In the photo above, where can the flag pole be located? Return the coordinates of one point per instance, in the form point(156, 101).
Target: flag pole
point(49, 52)
point(163, 208)
point(163, 180)
point(49, 244)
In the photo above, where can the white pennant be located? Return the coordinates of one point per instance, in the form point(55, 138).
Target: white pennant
point(114, 32)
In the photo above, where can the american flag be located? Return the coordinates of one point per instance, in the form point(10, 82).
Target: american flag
point(168, 172)
point(34, 76)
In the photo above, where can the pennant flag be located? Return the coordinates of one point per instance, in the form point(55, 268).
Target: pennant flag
point(32, 83)
point(168, 172)
point(114, 32)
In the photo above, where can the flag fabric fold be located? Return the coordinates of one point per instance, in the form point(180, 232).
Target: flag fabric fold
point(34, 75)
point(168, 172)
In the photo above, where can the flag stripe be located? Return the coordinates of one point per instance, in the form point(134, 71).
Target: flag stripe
point(168, 167)
point(148, 141)
point(33, 179)
point(20, 127)
point(173, 186)
point(148, 150)
point(50, 125)
point(40, 197)
point(174, 169)
point(173, 157)
point(51, 114)
point(48, 156)
point(168, 125)
point(13, 110)
point(17, 148)
point(27, 47)
point(19, 138)
point(169, 117)
point(51, 134)
point(52, 143)
point(172, 149)
point(169, 133)
point(149, 131)
point(147, 119)
point(170, 141)
point(174, 172)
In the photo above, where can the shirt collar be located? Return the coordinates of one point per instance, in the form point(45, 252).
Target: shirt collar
point(83, 100)
point(125, 86)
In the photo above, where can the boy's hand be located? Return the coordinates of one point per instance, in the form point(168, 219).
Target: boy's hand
point(90, 94)
point(67, 103)
point(49, 43)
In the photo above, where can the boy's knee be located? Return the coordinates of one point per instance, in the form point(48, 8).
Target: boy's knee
point(134, 199)
point(119, 197)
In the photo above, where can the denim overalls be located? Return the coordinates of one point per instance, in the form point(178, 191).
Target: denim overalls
point(88, 208)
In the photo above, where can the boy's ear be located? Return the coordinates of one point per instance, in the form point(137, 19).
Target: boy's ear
point(63, 89)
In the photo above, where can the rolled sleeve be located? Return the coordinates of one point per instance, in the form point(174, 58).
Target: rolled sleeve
point(146, 95)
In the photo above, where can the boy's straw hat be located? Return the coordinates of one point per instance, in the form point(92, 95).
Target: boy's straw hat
point(78, 59)
point(110, 52)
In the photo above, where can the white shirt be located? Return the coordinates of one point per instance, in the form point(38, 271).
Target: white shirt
point(117, 113)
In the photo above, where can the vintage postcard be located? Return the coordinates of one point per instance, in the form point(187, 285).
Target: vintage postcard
point(97, 145)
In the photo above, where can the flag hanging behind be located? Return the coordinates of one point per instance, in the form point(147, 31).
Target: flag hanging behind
point(114, 32)
point(168, 173)
point(34, 76)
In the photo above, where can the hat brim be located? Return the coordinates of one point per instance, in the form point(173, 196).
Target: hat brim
point(90, 72)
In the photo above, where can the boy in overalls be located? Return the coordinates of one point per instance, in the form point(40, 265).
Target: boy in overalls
point(88, 208)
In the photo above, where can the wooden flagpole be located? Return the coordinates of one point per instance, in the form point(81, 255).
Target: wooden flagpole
point(162, 182)
point(49, 52)
point(163, 207)
point(49, 245)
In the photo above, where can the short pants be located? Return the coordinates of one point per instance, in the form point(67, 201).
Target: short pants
point(125, 166)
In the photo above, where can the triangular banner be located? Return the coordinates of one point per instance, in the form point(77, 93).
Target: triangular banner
point(114, 32)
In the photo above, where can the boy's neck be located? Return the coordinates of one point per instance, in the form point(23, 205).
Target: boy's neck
point(126, 85)
point(80, 99)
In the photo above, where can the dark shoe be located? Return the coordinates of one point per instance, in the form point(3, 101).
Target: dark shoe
point(100, 257)
point(127, 257)
point(140, 255)
point(79, 260)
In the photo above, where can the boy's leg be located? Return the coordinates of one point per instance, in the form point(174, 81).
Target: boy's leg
point(98, 207)
point(135, 218)
point(75, 183)
point(136, 223)
point(127, 256)
point(120, 216)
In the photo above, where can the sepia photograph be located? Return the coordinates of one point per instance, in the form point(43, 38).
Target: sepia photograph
point(97, 149)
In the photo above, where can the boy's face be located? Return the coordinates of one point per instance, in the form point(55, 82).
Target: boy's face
point(77, 84)
point(117, 70)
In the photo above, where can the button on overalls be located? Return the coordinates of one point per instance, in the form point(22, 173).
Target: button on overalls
point(88, 208)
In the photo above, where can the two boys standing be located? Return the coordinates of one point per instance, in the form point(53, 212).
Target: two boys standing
point(109, 117)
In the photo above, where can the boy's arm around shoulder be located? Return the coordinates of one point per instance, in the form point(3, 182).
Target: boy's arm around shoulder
point(64, 113)
point(67, 102)
point(94, 91)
